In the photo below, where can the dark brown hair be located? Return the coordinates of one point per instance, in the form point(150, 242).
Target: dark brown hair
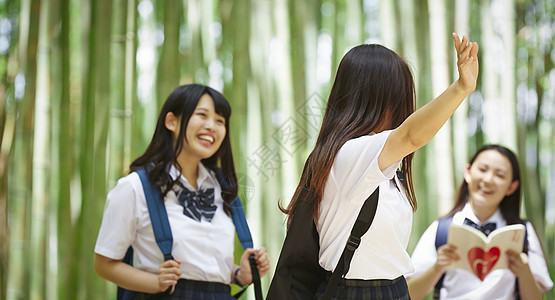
point(373, 89)
point(510, 205)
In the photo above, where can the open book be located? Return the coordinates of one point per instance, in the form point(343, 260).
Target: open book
point(480, 254)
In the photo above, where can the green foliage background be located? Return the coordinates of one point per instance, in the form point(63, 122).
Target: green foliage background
point(81, 83)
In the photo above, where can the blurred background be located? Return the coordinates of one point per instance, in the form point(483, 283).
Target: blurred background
point(82, 81)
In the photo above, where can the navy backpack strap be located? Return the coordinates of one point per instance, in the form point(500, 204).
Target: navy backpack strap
point(243, 234)
point(245, 238)
point(241, 225)
point(524, 250)
point(525, 246)
point(160, 226)
point(158, 216)
point(441, 239)
point(361, 226)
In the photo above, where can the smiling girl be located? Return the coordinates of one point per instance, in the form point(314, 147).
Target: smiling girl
point(190, 144)
point(489, 196)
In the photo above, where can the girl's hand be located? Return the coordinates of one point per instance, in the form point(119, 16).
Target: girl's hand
point(518, 262)
point(446, 255)
point(244, 276)
point(168, 274)
point(467, 63)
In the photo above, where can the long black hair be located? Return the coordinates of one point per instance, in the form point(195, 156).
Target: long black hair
point(373, 89)
point(162, 152)
point(510, 205)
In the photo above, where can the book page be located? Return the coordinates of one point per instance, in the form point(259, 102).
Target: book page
point(480, 254)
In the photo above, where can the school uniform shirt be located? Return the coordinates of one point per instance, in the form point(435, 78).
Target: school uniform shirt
point(354, 175)
point(204, 248)
point(461, 284)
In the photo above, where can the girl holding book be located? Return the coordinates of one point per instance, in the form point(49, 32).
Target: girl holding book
point(489, 197)
point(190, 143)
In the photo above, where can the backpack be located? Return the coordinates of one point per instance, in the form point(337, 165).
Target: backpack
point(164, 238)
point(441, 239)
point(298, 273)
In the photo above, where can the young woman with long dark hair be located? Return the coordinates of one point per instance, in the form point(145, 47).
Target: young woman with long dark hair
point(370, 125)
point(489, 194)
point(190, 144)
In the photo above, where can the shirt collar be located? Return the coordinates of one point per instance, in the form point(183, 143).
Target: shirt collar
point(205, 178)
point(467, 212)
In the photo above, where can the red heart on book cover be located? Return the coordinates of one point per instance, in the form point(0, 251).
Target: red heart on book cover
point(481, 261)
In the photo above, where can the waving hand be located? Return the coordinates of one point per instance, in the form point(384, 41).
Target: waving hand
point(467, 62)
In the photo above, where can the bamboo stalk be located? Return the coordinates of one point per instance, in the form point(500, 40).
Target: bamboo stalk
point(119, 113)
point(167, 78)
point(130, 83)
point(23, 143)
point(7, 132)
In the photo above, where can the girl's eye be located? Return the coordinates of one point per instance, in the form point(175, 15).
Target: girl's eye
point(200, 113)
point(220, 121)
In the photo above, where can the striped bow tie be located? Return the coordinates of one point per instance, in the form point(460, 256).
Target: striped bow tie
point(197, 204)
point(486, 228)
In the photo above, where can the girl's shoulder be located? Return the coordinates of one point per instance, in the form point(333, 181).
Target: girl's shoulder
point(127, 185)
point(372, 139)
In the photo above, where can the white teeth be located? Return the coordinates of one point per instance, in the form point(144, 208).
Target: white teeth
point(206, 138)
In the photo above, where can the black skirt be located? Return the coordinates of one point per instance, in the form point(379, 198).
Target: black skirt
point(356, 289)
point(191, 289)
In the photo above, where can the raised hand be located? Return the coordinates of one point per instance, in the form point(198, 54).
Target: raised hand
point(467, 63)
point(168, 275)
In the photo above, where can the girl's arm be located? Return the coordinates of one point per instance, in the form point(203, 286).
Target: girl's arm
point(130, 278)
point(420, 285)
point(420, 127)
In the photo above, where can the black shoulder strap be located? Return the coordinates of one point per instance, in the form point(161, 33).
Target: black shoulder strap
point(362, 224)
point(441, 239)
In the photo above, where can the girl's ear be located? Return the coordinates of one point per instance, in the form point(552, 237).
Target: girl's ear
point(172, 122)
point(467, 173)
point(512, 188)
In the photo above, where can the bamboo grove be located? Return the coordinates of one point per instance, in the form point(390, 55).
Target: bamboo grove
point(81, 83)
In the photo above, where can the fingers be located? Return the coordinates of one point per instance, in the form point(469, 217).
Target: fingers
point(167, 280)
point(168, 274)
point(447, 254)
point(457, 41)
point(460, 45)
point(465, 48)
point(474, 50)
point(263, 261)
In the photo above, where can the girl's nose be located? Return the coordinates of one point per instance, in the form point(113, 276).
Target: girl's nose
point(209, 123)
point(488, 177)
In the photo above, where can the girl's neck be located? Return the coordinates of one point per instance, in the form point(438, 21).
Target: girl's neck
point(482, 213)
point(189, 169)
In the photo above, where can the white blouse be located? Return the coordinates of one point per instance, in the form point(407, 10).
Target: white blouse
point(460, 284)
point(355, 174)
point(204, 248)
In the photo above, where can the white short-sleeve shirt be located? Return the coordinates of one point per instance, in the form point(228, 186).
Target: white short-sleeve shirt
point(355, 174)
point(460, 284)
point(204, 248)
